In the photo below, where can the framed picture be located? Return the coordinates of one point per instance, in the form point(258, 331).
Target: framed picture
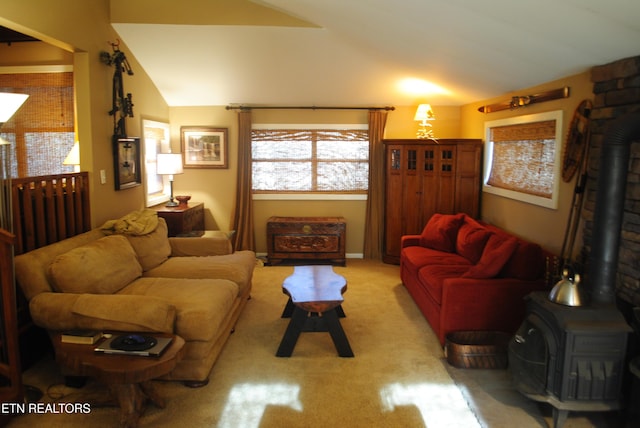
point(126, 156)
point(204, 147)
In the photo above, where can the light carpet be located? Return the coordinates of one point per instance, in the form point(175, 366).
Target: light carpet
point(398, 377)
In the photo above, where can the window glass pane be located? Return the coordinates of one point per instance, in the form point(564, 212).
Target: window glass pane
point(343, 150)
point(261, 150)
point(282, 176)
point(342, 176)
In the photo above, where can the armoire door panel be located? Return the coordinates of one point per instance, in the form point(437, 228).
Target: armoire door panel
point(424, 177)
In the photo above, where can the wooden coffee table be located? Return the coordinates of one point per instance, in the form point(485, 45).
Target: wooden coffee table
point(128, 377)
point(315, 304)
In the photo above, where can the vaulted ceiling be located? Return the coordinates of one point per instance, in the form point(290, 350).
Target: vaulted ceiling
point(368, 52)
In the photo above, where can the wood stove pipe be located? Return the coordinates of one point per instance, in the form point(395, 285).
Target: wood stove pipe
point(608, 213)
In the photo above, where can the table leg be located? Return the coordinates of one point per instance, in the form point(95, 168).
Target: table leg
point(131, 402)
point(288, 309)
point(292, 333)
point(337, 334)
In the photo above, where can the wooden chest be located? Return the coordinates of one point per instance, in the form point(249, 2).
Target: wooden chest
point(309, 239)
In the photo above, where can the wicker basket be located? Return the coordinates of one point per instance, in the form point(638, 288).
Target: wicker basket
point(477, 349)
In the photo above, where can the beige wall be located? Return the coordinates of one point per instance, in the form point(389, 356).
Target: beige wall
point(542, 225)
point(82, 30)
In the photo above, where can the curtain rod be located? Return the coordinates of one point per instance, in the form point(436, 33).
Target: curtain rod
point(241, 107)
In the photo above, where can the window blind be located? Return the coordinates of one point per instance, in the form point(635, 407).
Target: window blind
point(523, 157)
point(41, 132)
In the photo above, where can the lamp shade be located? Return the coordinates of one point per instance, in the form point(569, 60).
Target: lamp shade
point(9, 104)
point(169, 163)
point(424, 113)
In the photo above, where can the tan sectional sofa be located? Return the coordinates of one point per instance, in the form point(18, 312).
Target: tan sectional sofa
point(112, 280)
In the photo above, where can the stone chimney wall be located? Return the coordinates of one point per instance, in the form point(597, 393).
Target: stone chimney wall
point(616, 89)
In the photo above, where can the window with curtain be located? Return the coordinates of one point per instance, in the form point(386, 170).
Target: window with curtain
point(522, 158)
point(42, 131)
point(310, 160)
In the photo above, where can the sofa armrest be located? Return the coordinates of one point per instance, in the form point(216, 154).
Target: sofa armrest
point(212, 243)
point(409, 241)
point(65, 311)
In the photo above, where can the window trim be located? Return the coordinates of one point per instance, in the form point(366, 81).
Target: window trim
point(552, 202)
point(163, 196)
point(310, 196)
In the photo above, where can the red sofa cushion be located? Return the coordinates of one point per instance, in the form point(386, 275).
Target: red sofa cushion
point(471, 239)
point(496, 254)
point(432, 277)
point(527, 262)
point(441, 231)
point(414, 258)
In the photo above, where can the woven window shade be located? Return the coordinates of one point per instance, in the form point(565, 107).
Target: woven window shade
point(42, 130)
point(310, 160)
point(523, 158)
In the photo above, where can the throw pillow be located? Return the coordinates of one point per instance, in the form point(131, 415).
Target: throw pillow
point(496, 253)
point(104, 266)
point(471, 240)
point(440, 232)
point(154, 248)
point(527, 262)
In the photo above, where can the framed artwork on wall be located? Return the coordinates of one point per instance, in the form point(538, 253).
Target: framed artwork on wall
point(126, 155)
point(204, 147)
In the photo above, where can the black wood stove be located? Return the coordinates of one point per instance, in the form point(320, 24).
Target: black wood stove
point(574, 357)
point(570, 357)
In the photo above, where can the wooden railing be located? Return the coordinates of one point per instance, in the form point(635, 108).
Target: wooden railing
point(49, 208)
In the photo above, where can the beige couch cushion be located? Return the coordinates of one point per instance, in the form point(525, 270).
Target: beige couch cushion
point(102, 267)
point(237, 267)
point(201, 304)
point(152, 248)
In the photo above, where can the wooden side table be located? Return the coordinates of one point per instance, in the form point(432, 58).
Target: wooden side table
point(127, 377)
point(187, 220)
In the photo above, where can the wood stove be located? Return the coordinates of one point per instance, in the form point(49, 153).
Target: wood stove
point(570, 357)
point(573, 357)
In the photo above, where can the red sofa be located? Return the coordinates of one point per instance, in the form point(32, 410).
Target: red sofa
point(465, 274)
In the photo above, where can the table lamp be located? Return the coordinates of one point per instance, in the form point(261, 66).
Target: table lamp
point(169, 164)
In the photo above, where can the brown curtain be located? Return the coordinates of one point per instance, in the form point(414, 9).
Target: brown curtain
point(374, 222)
point(243, 214)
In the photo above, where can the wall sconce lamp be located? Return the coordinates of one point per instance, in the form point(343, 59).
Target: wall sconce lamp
point(169, 164)
point(73, 158)
point(424, 114)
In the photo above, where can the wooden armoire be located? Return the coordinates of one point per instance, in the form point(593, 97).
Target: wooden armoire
point(424, 177)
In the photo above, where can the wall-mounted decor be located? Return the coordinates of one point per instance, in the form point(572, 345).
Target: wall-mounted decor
point(121, 105)
point(523, 156)
point(204, 147)
point(126, 155)
point(525, 100)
